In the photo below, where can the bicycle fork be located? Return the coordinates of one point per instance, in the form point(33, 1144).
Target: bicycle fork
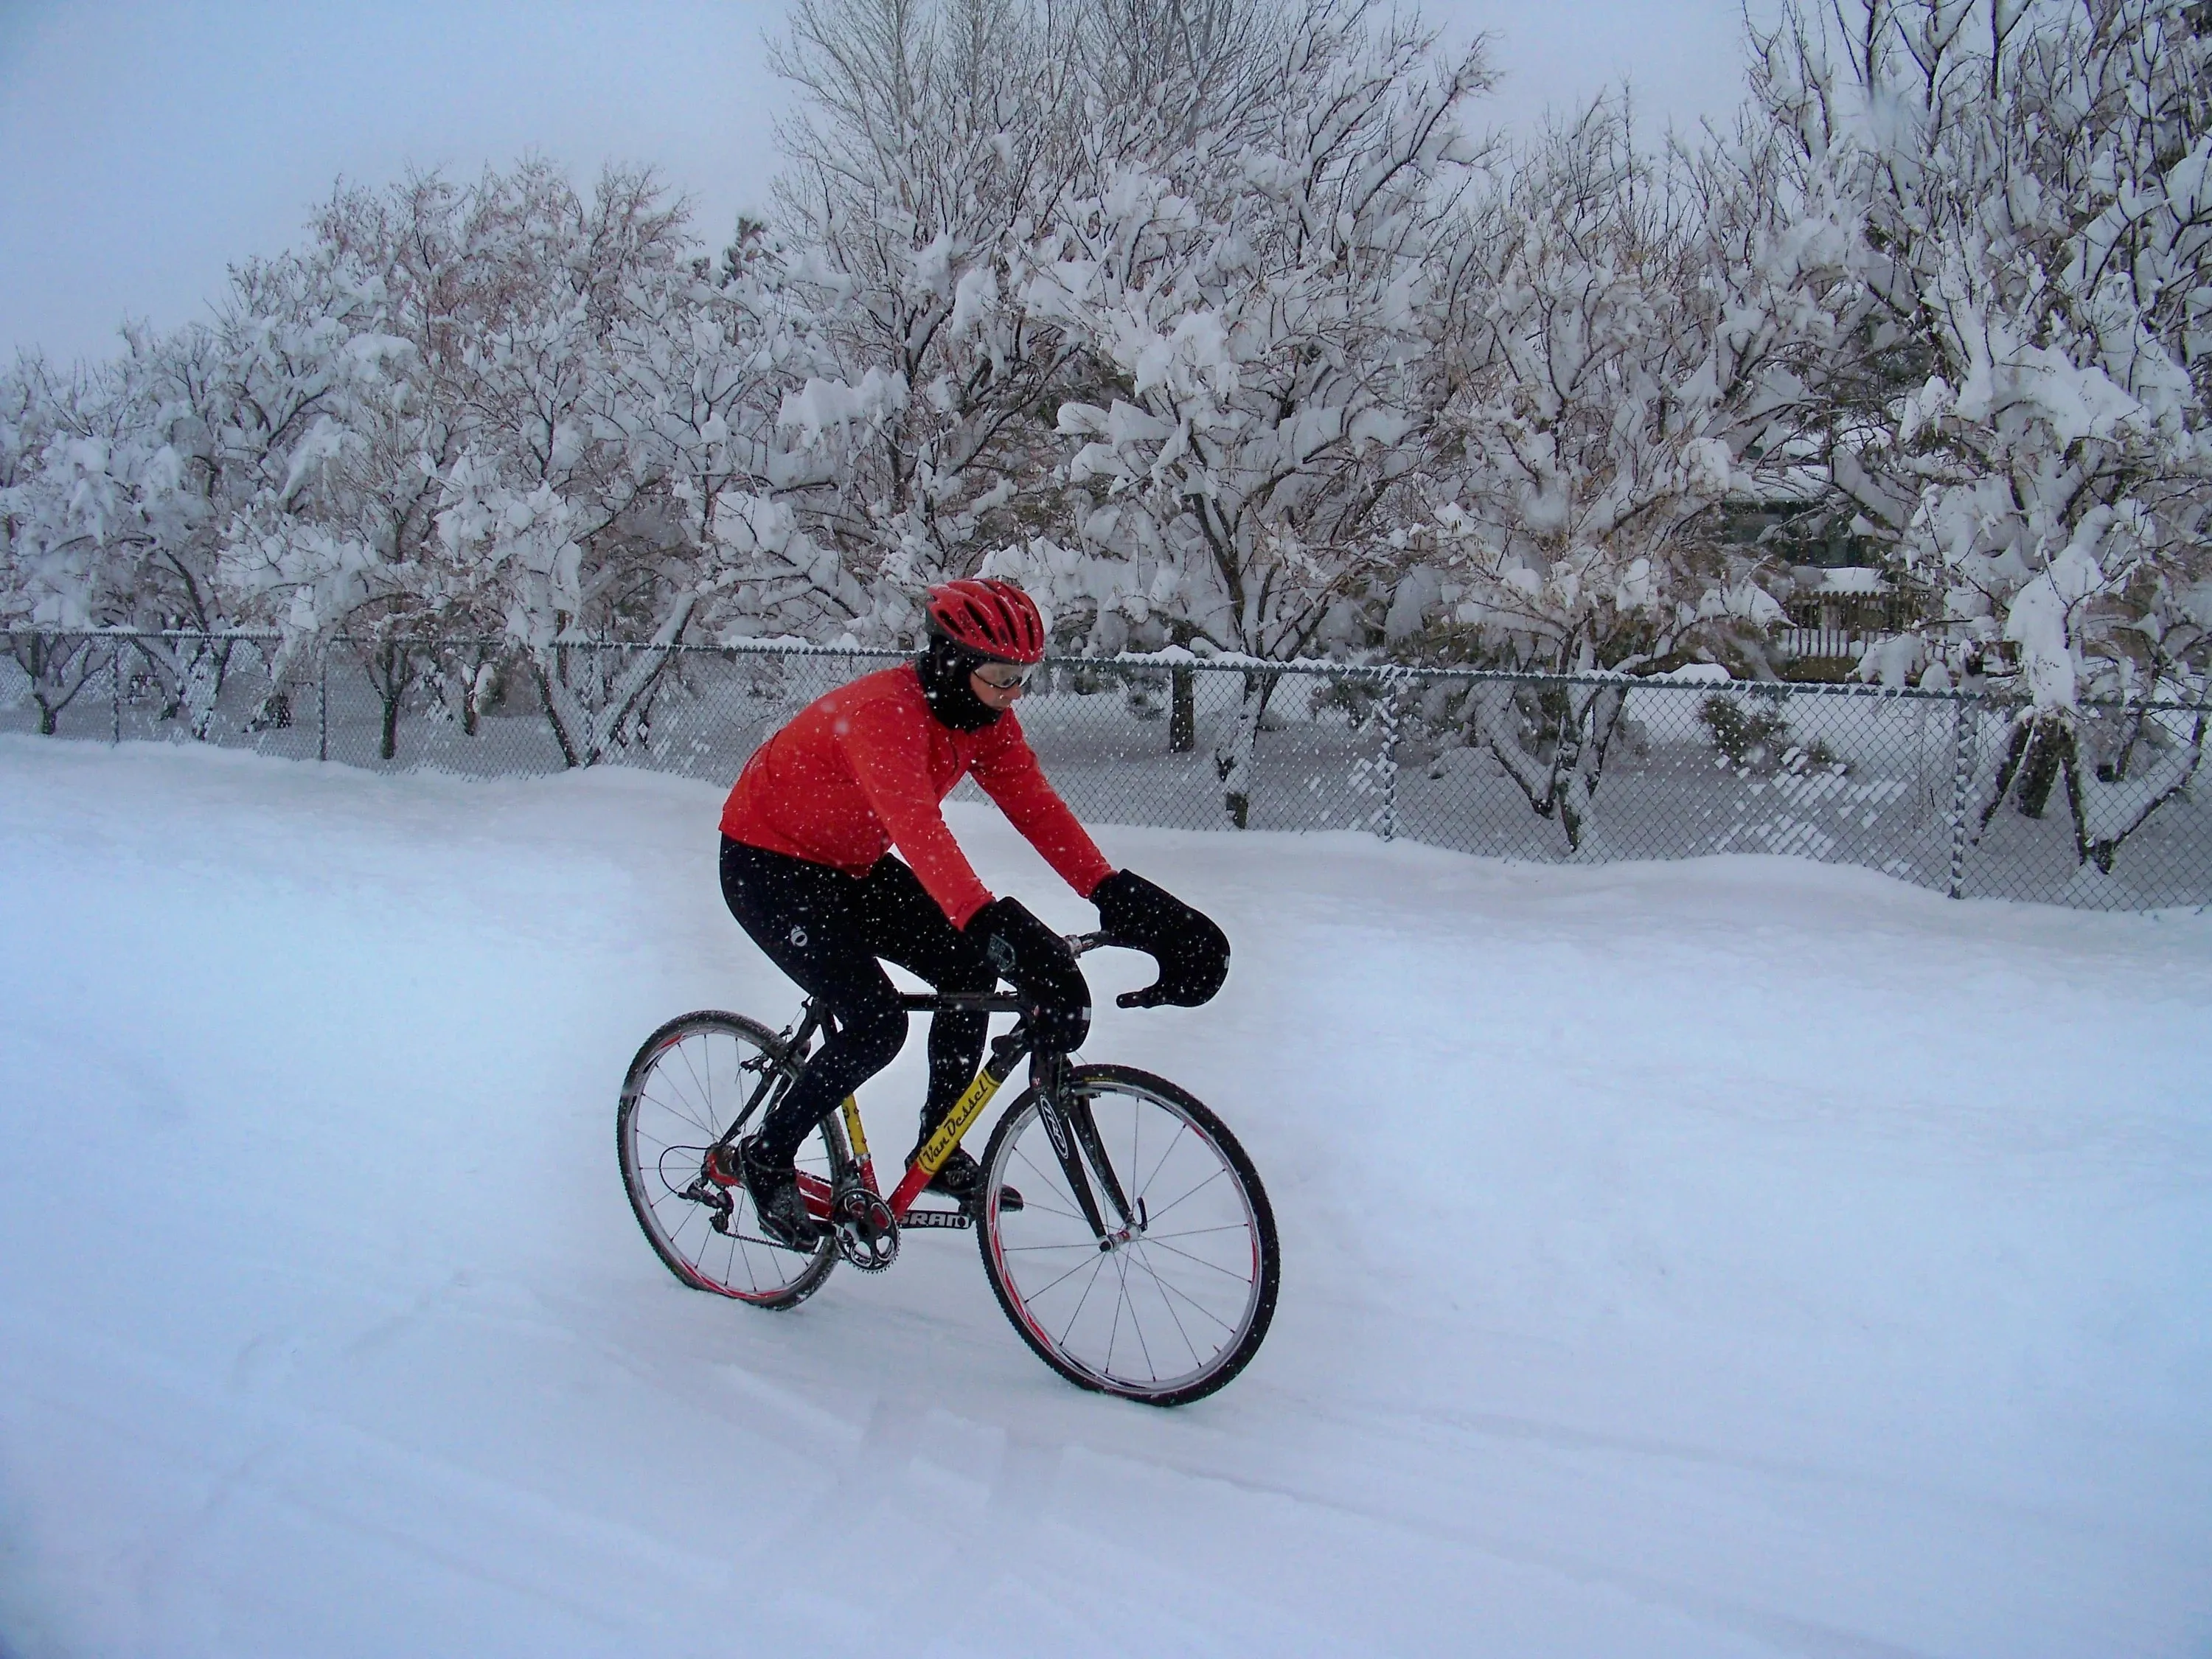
point(1074, 1135)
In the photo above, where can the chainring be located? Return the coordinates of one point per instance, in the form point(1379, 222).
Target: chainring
point(867, 1235)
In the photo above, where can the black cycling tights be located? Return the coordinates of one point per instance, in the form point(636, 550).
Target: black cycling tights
point(826, 929)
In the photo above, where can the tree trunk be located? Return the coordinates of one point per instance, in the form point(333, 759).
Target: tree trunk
point(470, 675)
point(1572, 820)
point(2050, 753)
point(1232, 761)
point(2098, 840)
point(1182, 710)
point(50, 664)
point(391, 687)
point(2042, 747)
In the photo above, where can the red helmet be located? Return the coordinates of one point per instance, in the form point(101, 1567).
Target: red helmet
point(992, 619)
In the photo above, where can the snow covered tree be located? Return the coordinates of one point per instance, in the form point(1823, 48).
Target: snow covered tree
point(556, 416)
point(1631, 337)
point(700, 373)
point(553, 527)
point(935, 140)
point(416, 277)
point(2034, 179)
point(1262, 312)
point(930, 141)
point(119, 519)
point(47, 577)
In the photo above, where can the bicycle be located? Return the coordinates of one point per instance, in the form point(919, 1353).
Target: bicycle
point(1120, 1173)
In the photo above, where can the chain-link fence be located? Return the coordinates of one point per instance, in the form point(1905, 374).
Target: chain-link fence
point(1957, 791)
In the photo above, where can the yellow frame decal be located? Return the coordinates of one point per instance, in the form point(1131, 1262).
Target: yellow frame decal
point(939, 1145)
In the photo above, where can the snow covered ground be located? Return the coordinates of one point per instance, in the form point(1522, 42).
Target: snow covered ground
point(1741, 1257)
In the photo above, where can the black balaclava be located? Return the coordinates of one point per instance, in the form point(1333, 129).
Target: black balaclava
point(945, 668)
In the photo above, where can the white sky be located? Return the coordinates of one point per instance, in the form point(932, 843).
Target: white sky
point(150, 142)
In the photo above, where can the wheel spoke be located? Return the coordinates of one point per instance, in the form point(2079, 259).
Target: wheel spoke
point(695, 1121)
point(1196, 1358)
point(1089, 1246)
point(691, 1064)
point(1199, 1261)
point(1144, 1185)
point(1217, 1176)
point(1243, 1227)
point(1046, 1289)
point(1120, 1305)
point(1089, 1242)
point(1138, 1326)
point(1082, 1300)
point(1171, 1291)
point(1054, 1175)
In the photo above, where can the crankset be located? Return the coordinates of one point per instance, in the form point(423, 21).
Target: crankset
point(867, 1235)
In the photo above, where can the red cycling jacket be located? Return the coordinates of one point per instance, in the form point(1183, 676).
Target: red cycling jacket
point(865, 769)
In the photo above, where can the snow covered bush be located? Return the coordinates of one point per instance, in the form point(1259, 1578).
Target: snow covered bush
point(1753, 735)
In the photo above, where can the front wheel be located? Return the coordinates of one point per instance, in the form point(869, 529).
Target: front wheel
point(1143, 1261)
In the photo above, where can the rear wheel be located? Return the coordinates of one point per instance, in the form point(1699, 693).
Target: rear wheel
point(1142, 1260)
point(696, 1079)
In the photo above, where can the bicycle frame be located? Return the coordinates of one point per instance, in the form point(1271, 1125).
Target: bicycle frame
point(1074, 1135)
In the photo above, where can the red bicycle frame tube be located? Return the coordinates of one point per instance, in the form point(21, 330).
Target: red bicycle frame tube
point(930, 1158)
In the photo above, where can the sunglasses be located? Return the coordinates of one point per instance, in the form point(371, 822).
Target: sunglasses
point(1006, 676)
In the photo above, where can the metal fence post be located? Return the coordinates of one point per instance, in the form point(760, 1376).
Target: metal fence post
point(115, 691)
point(323, 708)
point(1390, 762)
point(1961, 767)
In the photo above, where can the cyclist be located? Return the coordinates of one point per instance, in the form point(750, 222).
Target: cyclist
point(806, 868)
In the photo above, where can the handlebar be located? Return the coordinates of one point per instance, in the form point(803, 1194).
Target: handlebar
point(1081, 943)
point(990, 1002)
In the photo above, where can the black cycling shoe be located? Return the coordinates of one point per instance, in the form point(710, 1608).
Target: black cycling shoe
point(960, 1176)
point(773, 1189)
